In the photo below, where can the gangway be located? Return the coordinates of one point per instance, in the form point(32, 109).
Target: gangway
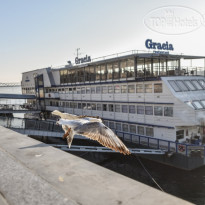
point(105, 149)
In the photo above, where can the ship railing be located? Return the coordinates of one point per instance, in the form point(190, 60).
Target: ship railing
point(169, 146)
point(30, 124)
point(17, 107)
point(144, 141)
point(116, 55)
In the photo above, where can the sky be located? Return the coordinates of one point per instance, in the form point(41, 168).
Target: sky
point(42, 33)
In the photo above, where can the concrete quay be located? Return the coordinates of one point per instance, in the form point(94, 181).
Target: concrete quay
point(34, 173)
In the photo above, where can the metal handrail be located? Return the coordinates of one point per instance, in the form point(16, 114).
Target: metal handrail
point(151, 142)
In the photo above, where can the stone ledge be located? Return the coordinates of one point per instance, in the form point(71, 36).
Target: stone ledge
point(34, 173)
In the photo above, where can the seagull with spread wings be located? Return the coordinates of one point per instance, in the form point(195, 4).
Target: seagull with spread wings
point(90, 127)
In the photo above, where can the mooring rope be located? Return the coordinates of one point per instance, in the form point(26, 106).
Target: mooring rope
point(149, 173)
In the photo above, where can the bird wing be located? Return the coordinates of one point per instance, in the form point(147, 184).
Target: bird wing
point(104, 135)
point(65, 115)
point(72, 123)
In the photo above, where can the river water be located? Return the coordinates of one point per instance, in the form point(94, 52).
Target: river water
point(189, 185)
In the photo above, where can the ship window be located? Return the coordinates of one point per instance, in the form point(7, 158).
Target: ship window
point(78, 90)
point(105, 122)
point(111, 125)
point(93, 106)
point(118, 126)
point(109, 71)
point(61, 77)
point(150, 131)
point(179, 134)
point(140, 130)
point(63, 104)
point(70, 90)
point(197, 105)
point(197, 85)
point(133, 129)
point(69, 76)
point(124, 108)
point(139, 88)
point(80, 73)
point(104, 107)
point(75, 105)
point(148, 110)
point(88, 106)
point(110, 89)
point(148, 88)
point(66, 90)
point(124, 127)
point(140, 67)
point(83, 90)
point(104, 89)
point(158, 111)
point(65, 76)
point(117, 108)
point(116, 71)
point(168, 111)
point(130, 68)
point(98, 72)
point(202, 83)
point(92, 90)
point(158, 88)
point(87, 74)
point(74, 91)
point(103, 72)
point(140, 109)
point(132, 109)
point(87, 90)
point(123, 70)
point(189, 85)
point(92, 73)
point(72, 76)
point(72, 104)
point(203, 103)
point(111, 107)
point(174, 85)
point(99, 107)
point(124, 88)
point(98, 89)
point(79, 106)
point(182, 85)
point(131, 88)
point(117, 88)
point(84, 106)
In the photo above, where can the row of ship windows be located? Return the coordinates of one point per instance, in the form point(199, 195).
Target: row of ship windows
point(187, 85)
point(138, 88)
point(134, 129)
point(132, 109)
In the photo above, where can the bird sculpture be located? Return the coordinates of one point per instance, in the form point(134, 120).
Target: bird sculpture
point(90, 127)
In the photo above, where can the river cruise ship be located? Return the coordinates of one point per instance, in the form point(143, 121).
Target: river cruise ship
point(149, 99)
